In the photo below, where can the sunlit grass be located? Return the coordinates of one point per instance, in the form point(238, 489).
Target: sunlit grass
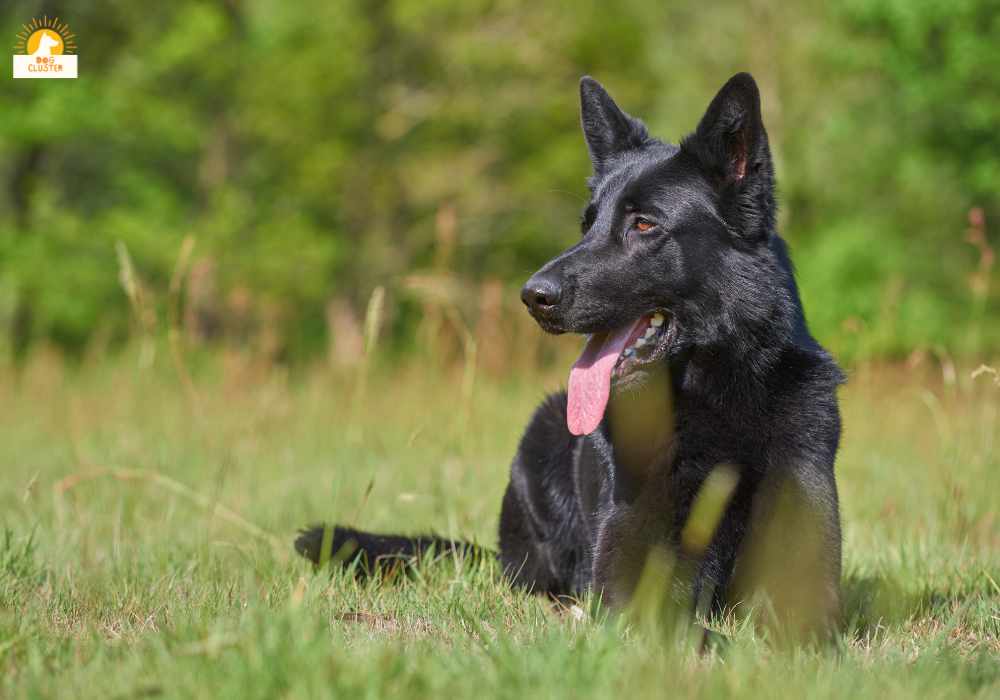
point(147, 543)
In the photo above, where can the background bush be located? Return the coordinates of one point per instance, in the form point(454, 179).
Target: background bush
point(314, 152)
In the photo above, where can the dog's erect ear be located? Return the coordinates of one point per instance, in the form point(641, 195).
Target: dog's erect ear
point(607, 129)
point(731, 144)
point(730, 139)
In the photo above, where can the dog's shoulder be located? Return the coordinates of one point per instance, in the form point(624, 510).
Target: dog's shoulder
point(804, 413)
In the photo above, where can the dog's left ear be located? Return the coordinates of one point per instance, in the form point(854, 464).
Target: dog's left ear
point(731, 144)
point(606, 128)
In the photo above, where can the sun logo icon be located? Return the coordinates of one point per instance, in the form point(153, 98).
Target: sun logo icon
point(45, 48)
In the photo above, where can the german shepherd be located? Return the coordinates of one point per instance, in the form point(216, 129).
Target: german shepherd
point(698, 361)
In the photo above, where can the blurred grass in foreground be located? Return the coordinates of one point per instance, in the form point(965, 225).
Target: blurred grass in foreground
point(148, 524)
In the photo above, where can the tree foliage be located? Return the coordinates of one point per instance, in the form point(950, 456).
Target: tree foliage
point(312, 151)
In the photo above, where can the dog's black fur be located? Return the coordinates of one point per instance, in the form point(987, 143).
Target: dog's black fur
point(738, 380)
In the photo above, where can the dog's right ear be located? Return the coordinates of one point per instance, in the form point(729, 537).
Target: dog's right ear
point(607, 129)
point(731, 144)
point(730, 139)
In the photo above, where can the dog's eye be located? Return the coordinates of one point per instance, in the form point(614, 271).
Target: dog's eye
point(643, 224)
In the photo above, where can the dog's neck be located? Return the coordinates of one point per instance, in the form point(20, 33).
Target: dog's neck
point(734, 365)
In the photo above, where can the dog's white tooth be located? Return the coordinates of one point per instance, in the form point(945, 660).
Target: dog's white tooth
point(657, 320)
point(640, 342)
point(629, 352)
point(649, 332)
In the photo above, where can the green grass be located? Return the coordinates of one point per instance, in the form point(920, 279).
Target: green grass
point(147, 527)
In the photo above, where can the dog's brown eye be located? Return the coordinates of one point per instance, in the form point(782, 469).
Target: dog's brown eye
point(642, 225)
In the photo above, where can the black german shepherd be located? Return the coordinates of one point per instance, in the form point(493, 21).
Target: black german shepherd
point(698, 358)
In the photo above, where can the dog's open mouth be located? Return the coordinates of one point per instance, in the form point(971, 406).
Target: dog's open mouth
point(610, 357)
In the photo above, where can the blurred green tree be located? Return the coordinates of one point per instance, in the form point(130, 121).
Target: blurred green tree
point(312, 151)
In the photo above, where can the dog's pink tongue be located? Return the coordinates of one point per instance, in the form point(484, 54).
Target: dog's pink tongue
point(590, 380)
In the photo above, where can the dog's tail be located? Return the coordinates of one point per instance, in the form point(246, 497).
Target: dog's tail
point(373, 552)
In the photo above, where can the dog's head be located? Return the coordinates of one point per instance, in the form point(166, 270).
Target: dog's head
point(675, 241)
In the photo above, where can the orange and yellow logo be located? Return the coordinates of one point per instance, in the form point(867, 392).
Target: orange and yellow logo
point(45, 48)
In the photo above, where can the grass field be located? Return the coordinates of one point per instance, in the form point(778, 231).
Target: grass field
point(147, 525)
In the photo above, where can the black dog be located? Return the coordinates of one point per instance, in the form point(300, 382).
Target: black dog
point(698, 360)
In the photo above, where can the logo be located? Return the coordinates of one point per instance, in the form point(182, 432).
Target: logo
point(45, 49)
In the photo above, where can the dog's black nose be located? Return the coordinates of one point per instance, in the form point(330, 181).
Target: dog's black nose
point(541, 294)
